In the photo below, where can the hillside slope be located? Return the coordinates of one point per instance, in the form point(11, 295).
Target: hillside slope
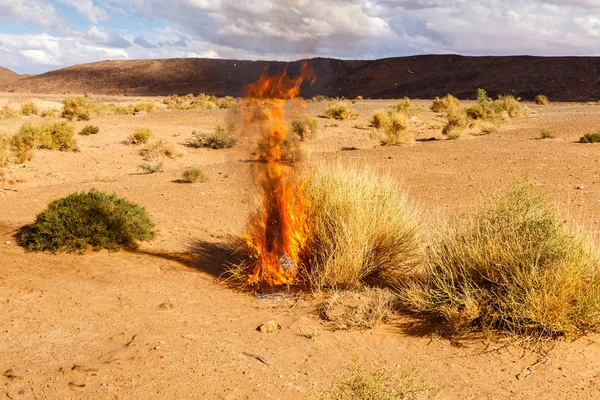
point(560, 78)
point(7, 76)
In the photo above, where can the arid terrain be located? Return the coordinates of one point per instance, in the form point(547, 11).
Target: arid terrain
point(159, 322)
point(427, 76)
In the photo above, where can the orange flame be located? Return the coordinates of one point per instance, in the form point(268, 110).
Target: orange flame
point(278, 232)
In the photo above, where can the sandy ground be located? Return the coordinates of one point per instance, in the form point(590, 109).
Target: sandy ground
point(157, 323)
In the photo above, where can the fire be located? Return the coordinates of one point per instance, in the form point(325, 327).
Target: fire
point(278, 232)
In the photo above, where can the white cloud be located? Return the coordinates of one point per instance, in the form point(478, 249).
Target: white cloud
point(87, 9)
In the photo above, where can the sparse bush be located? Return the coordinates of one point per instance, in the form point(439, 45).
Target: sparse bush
point(456, 120)
point(547, 133)
point(150, 168)
point(515, 266)
point(139, 136)
point(541, 100)
point(512, 106)
point(380, 384)
point(305, 128)
point(29, 108)
point(395, 129)
point(225, 102)
point(159, 149)
point(362, 227)
point(88, 220)
point(339, 111)
point(83, 117)
point(56, 136)
point(189, 102)
point(4, 150)
point(319, 98)
point(194, 175)
point(445, 103)
point(453, 133)
point(221, 138)
point(73, 106)
point(24, 143)
point(379, 119)
point(590, 138)
point(89, 130)
point(488, 127)
point(8, 112)
point(50, 113)
point(143, 106)
point(403, 106)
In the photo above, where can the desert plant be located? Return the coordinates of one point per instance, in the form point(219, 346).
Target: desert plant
point(4, 150)
point(395, 130)
point(89, 130)
point(139, 136)
point(403, 106)
point(547, 133)
point(73, 106)
point(590, 138)
point(88, 220)
point(488, 127)
point(305, 128)
point(158, 149)
point(151, 168)
point(57, 136)
point(83, 117)
point(29, 108)
point(194, 175)
point(379, 119)
point(50, 113)
point(221, 138)
point(8, 112)
point(454, 133)
point(541, 100)
point(24, 143)
point(456, 120)
point(514, 265)
point(362, 226)
point(380, 384)
point(339, 111)
point(445, 103)
point(143, 106)
point(225, 102)
point(512, 106)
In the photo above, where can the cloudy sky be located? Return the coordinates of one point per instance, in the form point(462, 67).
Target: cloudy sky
point(42, 35)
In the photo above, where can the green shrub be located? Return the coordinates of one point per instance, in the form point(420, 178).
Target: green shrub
point(83, 117)
point(151, 169)
point(339, 111)
point(514, 265)
point(193, 175)
point(305, 128)
point(93, 220)
point(590, 138)
point(139, 136)
point(221, 138)
point(361, 226)
point(445, 103)
point(541, 100)
point(89, 130)
point(547, 133)
point(29, 108)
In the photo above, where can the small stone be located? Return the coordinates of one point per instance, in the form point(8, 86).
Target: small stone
point(579, 187)
point(7, 242)
point(268, 327)
point(166, 306)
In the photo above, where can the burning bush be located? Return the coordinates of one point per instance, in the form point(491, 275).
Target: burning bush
point(513, 265)
point(88, 220)
point(360, 226)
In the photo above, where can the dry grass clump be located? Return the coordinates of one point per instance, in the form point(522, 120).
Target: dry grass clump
point(51, 136)
point(139, 136)
point(363, 310)
point(158, 149)
point(221, 138)
point(304, 128)
point(512, 106)
point(542, 100)
point(453, 133)
point(488, 127)
point(403, 106)
point(362, 226)
point(380, 384)
point(189, 102)
point(340, 111)
point(29, 108)
point(24, 143)
point(7, 112)
point(151, 168)
point(50, 113)
point(514, 265)
point(194, 175)
point(5, 156)
point(590, 138)
point(456, 121)
point(547, 133)
point(393, 126)
point(89, 130)
point(73, 106)
point(88, 220)
point(445, 103)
